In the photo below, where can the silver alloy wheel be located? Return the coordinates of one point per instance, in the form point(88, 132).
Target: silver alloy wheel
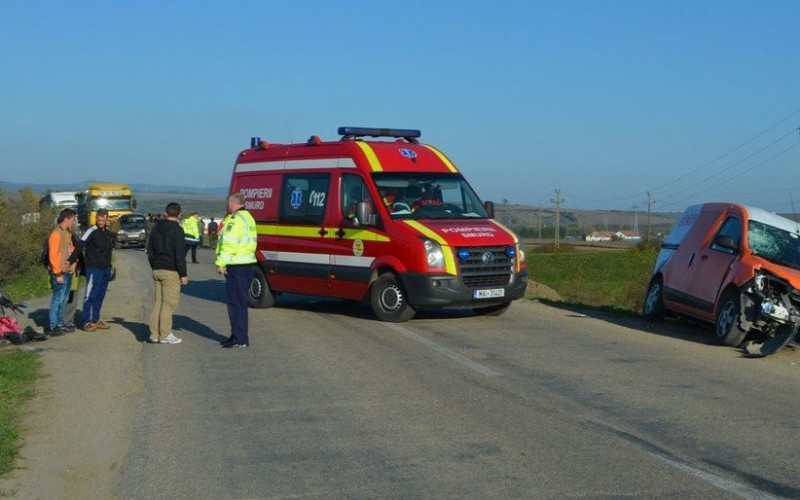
point(653, 298)
point(391, 298)
point(726, 319)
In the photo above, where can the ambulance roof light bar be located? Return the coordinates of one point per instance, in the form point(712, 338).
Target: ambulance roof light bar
point(353, 133)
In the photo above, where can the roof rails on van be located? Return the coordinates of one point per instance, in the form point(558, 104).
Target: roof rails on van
point(354, 133)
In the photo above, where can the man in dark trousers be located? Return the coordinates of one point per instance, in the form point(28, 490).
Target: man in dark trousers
point(166, 252)
point(212, 228)
point(96, 244)
point(236, 254)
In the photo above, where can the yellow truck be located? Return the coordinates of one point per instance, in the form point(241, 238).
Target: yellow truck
point(116, 198)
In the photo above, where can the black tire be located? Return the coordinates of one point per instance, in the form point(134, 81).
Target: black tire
point(653, 309)
point(783, 335)
point(259, 296)
point(726, 328)
point(495, 310)
point(389, 301)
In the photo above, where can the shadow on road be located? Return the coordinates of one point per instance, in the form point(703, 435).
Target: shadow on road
point(356, 309)
point(139, 330)
point(187, 324)
point(210, 289)
point(677, 328)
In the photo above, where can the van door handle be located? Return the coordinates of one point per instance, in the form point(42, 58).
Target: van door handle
point(322, 231)
point(703, 257)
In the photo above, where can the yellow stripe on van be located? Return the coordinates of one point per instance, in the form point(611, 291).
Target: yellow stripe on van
point(313, 232)
point(372, 158)
point(516, 241)
point(442, 157)
point(266, 229)
point(449, 261)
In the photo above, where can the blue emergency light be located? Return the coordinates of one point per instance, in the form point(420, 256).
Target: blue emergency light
point(350, 133)
point(463, 254)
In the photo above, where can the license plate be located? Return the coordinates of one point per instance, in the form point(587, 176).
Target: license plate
point(489, 294)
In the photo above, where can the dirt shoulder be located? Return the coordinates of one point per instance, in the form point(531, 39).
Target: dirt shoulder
point(76, 432)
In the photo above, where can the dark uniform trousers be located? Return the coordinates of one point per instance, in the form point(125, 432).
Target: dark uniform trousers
point(237, 284)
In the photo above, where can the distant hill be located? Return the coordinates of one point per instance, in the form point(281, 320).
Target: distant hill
point(578, 223)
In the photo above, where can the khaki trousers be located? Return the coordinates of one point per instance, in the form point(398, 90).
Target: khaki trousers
point(167, 295)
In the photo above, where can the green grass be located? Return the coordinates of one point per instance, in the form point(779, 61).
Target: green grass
point(33, 283)
point(18, 373)
point(607, 279)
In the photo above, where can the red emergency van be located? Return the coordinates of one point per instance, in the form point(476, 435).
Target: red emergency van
point(389, 220)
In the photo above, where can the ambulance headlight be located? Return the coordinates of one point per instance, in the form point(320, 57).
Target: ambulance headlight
point(433, 253)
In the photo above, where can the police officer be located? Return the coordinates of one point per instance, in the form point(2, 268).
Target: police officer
point(191, 233)
point(236, 254)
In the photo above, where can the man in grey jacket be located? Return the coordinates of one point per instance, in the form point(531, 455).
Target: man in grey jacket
point(165, 251)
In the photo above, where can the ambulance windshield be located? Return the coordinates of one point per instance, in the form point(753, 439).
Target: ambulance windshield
point(428, 196)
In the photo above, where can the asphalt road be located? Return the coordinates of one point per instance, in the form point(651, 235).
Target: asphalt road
point(541, 402)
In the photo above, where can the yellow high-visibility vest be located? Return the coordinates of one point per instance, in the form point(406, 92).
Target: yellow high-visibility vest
point(238, 239)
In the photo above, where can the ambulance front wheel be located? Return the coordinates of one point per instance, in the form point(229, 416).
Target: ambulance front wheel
point(389, 300)
point(259, 295)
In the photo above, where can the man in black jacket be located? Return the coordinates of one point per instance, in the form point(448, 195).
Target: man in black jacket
point(166, 253)
point(96, 244)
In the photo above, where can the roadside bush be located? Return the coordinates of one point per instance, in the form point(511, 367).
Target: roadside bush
point(22, 231)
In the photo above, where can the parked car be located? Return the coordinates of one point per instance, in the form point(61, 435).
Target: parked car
point(735, 266)
point(132, 230)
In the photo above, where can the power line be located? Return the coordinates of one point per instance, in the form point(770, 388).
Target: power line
point(694, 171)
point(733, 177)
point(735, 164)
point(740, 146)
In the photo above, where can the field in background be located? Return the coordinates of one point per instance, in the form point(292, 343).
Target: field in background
point(609, 278)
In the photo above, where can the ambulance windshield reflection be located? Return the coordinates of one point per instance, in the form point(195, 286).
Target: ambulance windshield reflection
point(428, 196)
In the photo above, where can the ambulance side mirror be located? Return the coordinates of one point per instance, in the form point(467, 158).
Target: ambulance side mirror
point(489, 206)
point(364, 214)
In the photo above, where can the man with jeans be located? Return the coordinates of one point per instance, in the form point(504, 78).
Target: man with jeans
point(59, 247)
point(99, 243)
point(166, 253)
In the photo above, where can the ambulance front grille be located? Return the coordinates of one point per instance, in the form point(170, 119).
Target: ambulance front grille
point(480, 270)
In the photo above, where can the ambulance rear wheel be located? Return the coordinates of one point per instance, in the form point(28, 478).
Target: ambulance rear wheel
point(389, 300)
point(259, 295)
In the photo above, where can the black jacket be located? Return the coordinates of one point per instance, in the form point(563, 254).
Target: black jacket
point(166, 248)
point(96, 245)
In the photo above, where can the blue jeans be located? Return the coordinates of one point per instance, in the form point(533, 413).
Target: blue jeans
point(97, 279)
point(59, 301)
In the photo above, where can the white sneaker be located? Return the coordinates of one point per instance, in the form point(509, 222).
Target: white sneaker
point(171, 339)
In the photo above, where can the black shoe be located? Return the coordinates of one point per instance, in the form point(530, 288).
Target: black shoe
point(195, 262)
point(68, 328)
point(56, 332)
point(232, 345)
point(226, 341)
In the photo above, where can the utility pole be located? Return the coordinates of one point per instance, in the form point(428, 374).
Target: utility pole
point(650, 202)
point(540, 223)
point(558, 200)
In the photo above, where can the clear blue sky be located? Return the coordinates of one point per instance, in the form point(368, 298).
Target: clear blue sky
point(602, 100)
